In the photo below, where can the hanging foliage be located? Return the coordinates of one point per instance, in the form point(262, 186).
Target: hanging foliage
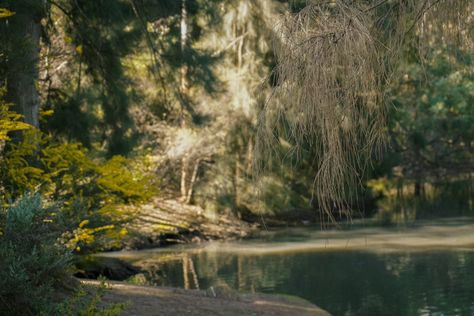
point(334, 59)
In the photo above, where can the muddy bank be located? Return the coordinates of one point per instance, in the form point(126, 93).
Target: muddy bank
point(169, 221)
point(144, 300)
point(164, 222)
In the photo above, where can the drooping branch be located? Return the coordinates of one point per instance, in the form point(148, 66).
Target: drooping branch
point(334, 60)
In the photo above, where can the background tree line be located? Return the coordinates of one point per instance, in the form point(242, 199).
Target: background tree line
point(182, 83)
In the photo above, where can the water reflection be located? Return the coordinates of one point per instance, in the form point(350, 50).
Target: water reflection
point(393, 280)
point(344, 283)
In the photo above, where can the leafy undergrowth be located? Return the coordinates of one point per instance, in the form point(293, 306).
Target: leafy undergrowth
point(32, 262)
point(36, 266)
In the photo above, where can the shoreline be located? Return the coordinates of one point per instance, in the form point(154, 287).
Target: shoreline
point(155, 300)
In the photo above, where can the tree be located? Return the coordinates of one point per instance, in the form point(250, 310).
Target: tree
point(21, 33)
point(96, 42)
point(432, 124)
point(334, 60)
point(189, 76)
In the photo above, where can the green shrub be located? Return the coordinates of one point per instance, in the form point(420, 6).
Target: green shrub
point(94, 194)
point(32, 264)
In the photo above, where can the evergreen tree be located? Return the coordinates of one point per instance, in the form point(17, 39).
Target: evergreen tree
point(20, 35)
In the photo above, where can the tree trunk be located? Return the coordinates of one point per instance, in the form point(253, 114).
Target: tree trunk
point(23, 69)
point(183, 90)
point(248, 169)
point(418, 189)
point(192, 181)
point(236, 182)
point(184, 43)
point(184, 175)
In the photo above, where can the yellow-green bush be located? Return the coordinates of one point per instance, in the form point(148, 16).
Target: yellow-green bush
point(9, 122)
point(93, 193)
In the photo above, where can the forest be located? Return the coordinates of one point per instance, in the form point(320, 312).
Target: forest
point(146, 124)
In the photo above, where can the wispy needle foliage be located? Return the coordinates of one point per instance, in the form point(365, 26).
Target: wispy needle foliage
point(334, 59)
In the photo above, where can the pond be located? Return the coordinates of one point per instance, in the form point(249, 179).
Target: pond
point(422, 269)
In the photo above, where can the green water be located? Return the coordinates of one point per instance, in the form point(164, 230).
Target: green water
point(406, 274)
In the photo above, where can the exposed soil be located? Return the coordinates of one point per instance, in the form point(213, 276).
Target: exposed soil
point(145, 300)
point(168, 221)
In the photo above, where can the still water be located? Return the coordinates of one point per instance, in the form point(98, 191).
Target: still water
point(425, 269)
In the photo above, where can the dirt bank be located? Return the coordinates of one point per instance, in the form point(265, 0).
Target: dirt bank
point(164, 222)
point(144, 300)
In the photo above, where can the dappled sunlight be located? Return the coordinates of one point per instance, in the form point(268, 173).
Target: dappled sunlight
point(244, 153)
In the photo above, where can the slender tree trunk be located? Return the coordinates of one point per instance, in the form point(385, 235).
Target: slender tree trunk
point(249, 164)
point(417, 188)
point(79, 78)
point(183, 90)
point(184, 43)
point(236, 182)
point(23, 70)
point(184, 175)
point(471, 193)
point(240, 52)
point(192, 182)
